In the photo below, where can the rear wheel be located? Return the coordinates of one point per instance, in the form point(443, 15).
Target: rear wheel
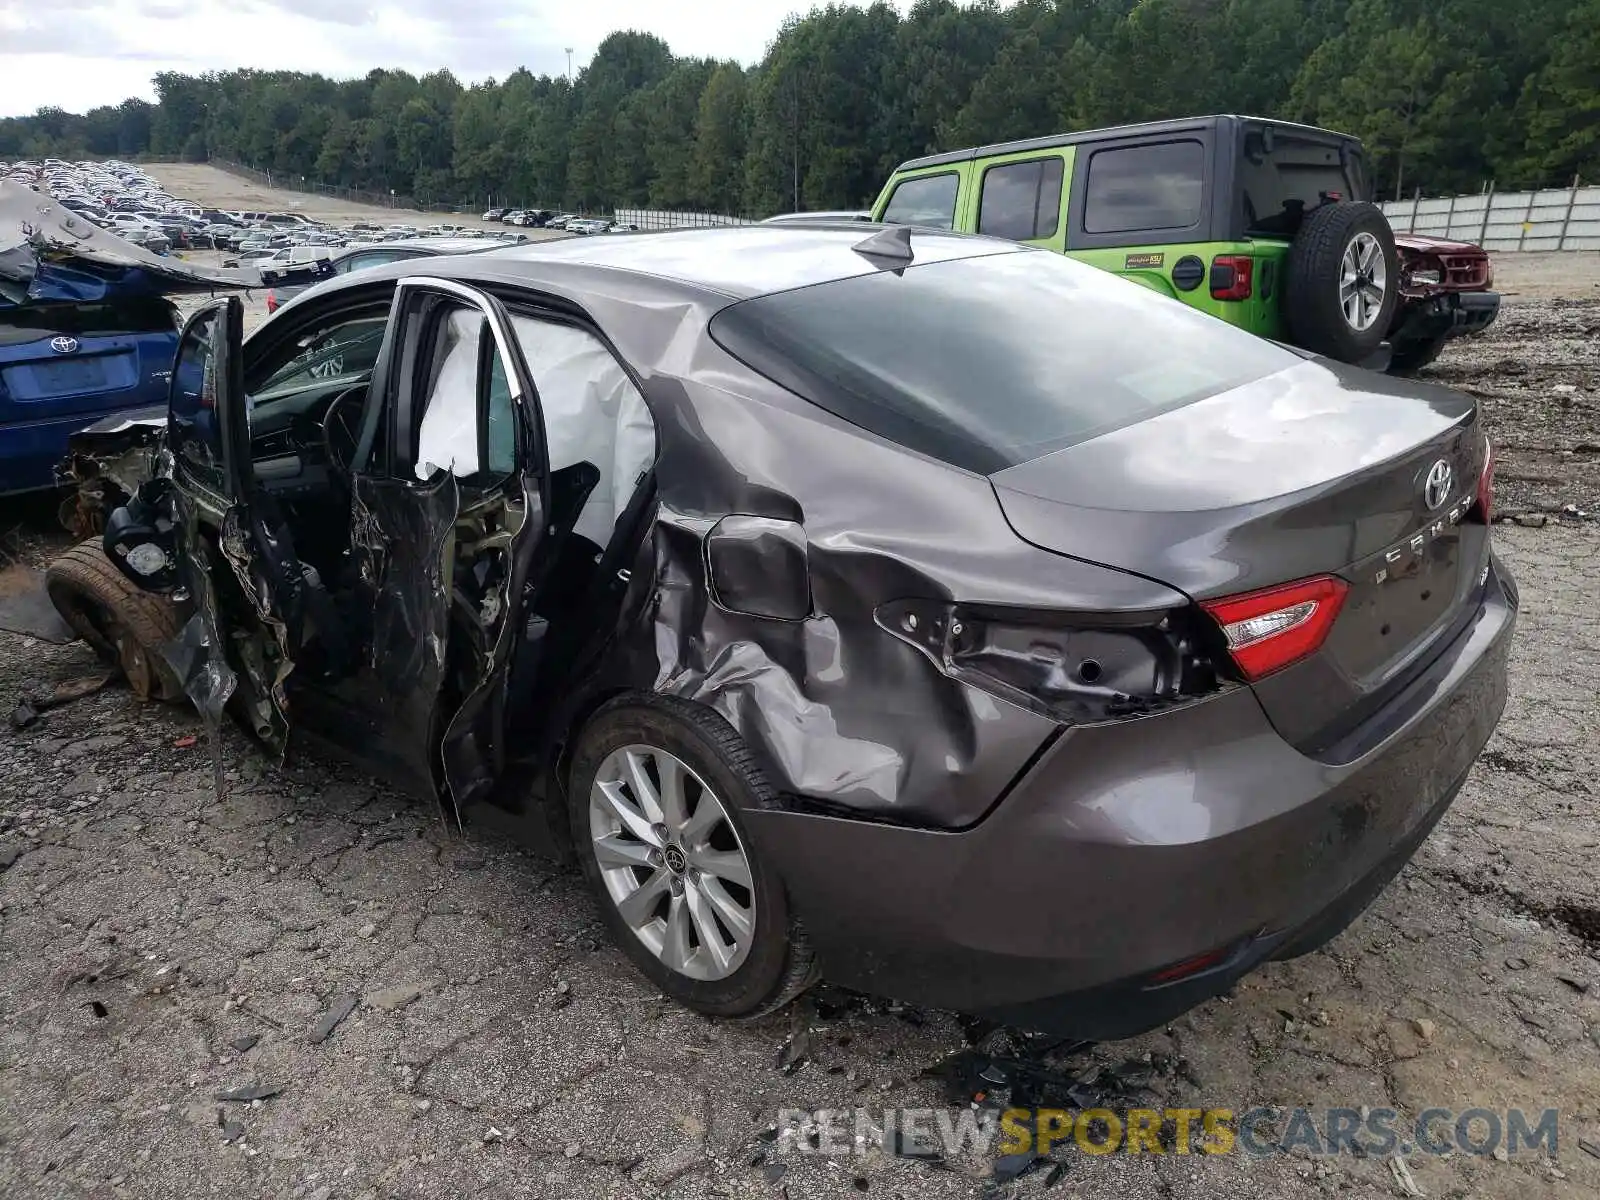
point(657, 786)
point(1342, 281)
point(125, 626)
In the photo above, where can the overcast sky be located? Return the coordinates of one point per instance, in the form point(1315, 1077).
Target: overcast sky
point(77, 54)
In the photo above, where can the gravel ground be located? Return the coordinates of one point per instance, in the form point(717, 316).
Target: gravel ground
point(159, 947)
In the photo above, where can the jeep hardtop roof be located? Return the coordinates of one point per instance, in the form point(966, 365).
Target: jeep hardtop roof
point(1179, 125)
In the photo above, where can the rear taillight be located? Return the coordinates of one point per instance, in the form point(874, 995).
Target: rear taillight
point(1269, 629)
point(1483, 509)
point(1232, 276)
point(272, 301)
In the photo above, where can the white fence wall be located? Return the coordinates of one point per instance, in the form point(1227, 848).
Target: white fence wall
point(1552, 219)
point(651, 218)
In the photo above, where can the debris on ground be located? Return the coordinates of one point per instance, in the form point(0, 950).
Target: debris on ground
point(34, 703)
point(341, 1008)
point(185, 742)
point(247, 1042)
point(391, 998)
point(232, 1128)
point(1404, 1180)
point(251, 1092)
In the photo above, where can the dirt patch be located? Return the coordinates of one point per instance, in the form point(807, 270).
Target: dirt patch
point(212, 187)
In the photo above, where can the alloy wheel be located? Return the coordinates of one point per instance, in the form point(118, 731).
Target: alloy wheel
point(672, 862)
point(1363, 280)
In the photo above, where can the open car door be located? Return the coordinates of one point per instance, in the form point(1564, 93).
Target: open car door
point(449, 496)
point(242, 571)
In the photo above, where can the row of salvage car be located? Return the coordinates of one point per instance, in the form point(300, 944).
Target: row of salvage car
point(845, 599)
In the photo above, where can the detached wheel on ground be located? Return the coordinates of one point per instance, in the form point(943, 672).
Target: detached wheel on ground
point(657, 786)
point(1342, 281)
point(125, 626)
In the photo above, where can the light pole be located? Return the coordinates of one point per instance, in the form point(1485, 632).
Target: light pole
point(569, 64)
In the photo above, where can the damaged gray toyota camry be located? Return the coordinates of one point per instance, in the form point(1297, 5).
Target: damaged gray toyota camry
point(941, 616)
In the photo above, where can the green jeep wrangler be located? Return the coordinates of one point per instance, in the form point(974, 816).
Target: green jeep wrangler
point(1261, 223)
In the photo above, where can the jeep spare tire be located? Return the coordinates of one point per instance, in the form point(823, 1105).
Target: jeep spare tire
point(1342, 281)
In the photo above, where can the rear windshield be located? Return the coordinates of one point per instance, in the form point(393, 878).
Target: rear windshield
point(988, 362)
point(33, 322)
point(1278, 187)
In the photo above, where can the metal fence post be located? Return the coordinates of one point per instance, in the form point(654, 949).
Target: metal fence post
point(1572, 198)
point(1416, 202)
point(1450, 215)
point(1527, 219)
point(1488, 207)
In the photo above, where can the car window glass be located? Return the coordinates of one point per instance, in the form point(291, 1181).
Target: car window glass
point(1157, 186)
point(502, 438)
point(1278, 187)
point(990, 361)
point(1021, 200)
point(196, 434)
point(342, 353)
point(929, 201)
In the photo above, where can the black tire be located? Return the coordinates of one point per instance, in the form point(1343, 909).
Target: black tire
point(1413, 356)
point(125, 626)
point(780, 963)
point(1312, 307)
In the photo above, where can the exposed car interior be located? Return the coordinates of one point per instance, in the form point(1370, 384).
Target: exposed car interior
point(308, 394)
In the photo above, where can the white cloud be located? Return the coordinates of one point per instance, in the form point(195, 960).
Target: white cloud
point(77, 54)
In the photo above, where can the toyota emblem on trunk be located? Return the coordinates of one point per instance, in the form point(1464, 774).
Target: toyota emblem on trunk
point(64, 345)
point(1437, 488)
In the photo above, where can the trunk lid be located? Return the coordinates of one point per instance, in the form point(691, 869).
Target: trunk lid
point(1321, 469)
point(65, 359)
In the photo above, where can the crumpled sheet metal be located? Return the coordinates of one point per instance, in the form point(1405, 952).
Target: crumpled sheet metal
point(48, 252)
point(841, 715)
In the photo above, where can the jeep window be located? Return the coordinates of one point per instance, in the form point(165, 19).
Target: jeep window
point(929, 200)
point(1021, 200)
point(990, 361)
point(1159, 186)
point(1278, 187)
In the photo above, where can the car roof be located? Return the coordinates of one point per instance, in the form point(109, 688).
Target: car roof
point(1178, 125)
point(740, 261)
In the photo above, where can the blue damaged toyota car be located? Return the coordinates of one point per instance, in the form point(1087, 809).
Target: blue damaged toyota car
point(65, 365)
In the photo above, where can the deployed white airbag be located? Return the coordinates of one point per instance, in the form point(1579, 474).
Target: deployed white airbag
point(592, 413)
point(448, 440)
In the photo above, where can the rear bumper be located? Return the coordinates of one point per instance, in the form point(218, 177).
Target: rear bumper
point(29, 451)
point(1453, 314)
point(1134, 846)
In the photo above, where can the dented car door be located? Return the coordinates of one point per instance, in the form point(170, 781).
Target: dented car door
point(214, 488)
point(448, 509)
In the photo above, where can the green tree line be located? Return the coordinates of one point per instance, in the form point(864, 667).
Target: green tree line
point(1445, 93)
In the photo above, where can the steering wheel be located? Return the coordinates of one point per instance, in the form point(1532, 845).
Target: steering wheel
point(341, 431)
